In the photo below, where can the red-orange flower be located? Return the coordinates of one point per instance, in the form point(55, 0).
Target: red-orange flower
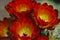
point(20, 7)
point(24, 27)
point(4, 25)
point(46, 15)
point(3, 30)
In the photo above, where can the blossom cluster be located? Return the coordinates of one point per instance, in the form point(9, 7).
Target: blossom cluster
point(28, 19)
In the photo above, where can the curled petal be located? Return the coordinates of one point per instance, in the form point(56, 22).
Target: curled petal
point(43, 38)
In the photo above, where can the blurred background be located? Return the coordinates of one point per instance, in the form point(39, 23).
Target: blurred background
point(54, 3)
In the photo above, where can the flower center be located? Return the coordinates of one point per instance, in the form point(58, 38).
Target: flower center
point(44, 18)
point(22, 8)
point(25, 31)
